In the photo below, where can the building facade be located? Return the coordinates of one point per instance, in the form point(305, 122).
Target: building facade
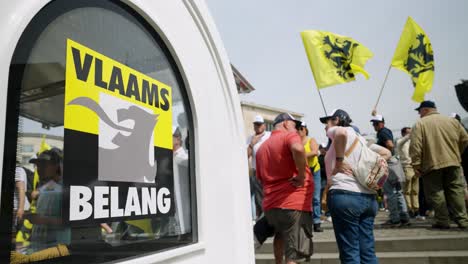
point(29, 145)
point(250, 110)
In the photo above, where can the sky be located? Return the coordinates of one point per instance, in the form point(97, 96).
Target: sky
point(262, 40)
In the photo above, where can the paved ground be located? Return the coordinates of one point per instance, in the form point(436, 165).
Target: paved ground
point(416, 229)
point(414, 244)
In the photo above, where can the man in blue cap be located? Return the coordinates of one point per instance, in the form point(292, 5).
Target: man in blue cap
point(437, 142)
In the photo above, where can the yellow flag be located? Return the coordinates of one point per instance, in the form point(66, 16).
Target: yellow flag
point(333, 58)
point(414, 55)
point(44, 146)
point(143, 224)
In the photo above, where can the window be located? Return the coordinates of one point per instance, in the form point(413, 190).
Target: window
point(25, 160)
point(95, 76)
point(28, 148)
point(269, 125)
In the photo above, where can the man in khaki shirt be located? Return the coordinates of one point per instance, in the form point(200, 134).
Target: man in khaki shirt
point(411, 187)
point(436, 144)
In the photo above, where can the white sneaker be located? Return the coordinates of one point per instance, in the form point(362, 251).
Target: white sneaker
point(420, 218)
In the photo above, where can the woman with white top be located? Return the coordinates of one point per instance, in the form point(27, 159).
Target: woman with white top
point(352, 206)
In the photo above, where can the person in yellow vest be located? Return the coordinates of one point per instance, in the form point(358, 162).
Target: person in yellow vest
point(312, 151)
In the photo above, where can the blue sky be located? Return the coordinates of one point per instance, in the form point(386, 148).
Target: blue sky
point(262, 40)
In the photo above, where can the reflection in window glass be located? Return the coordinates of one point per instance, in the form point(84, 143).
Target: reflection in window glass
point(27, 148)
point(25, 159)
point(64, 208)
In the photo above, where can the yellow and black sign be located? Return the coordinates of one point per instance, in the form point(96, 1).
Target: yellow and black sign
point(90, 74)
point(118, 140)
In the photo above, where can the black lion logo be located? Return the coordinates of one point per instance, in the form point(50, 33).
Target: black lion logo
point(420, 58)
point(341, 55)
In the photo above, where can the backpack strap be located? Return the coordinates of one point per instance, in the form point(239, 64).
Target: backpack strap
point(353, 146)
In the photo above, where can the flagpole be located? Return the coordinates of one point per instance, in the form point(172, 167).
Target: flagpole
point(321, 99)
point(383, 86)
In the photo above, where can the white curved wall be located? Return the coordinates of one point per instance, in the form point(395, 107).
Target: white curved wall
point(224, 223)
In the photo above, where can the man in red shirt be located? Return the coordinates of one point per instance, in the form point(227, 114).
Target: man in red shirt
point(288, 189)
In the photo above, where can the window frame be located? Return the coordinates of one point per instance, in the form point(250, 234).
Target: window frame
point(23, 48)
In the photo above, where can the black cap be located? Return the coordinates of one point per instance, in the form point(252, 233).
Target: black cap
point(336, 113)
point(53, 155)
point(426, 104)
point(285, 116)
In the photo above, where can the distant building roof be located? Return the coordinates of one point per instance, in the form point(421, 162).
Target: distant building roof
point(273, 109)
point(243, 86)
point(40, 135)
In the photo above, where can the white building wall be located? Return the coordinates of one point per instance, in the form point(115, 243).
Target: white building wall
point(250, 110)
point(34, 140)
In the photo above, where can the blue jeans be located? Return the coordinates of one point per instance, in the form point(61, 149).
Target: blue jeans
point(256, 195)
point(353, 217)
point(253, 207)
point(396, 203)
point(316, 207)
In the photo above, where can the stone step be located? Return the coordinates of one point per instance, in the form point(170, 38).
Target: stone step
point(421, 257)
point(382, 218)
point(417, 244)
point(456, 242)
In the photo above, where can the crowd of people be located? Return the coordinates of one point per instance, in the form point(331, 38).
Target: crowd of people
point(39, 229)
point(37, 215)
point(297, 182)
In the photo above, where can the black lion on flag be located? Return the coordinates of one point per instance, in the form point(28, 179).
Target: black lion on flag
point(341, 55)
point(420, 58)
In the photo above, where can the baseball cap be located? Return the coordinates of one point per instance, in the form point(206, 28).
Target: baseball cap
point(426, 104)
point(335, 113)
point(54, 155)
point(377, 118)
point(286, 116)
point(259, 119)
point(303, 124)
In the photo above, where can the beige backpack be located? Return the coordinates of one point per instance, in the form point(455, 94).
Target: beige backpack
point(371, 170)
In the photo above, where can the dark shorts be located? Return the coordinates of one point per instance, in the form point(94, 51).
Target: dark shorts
point(263, 230)
point(295, 227)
